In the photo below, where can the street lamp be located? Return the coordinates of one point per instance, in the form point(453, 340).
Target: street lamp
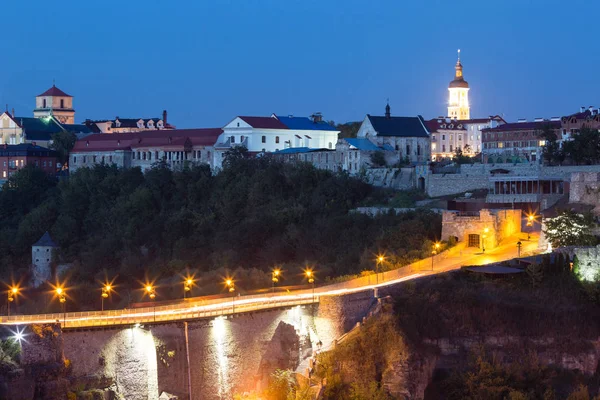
point(519, 244)
point(436, 248)
point(275, 277)
point(151, 292)
point(12, 293)
point(62, 298)
point(485, 231)
point(187, 286)
point(380, 259)
point(231, 287)
point(530, 219)
point(105, 292)
point(310, 276)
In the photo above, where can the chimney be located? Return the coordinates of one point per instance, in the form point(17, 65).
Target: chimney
point(555, 119)
point(317, 117)
point(522, 120)
point(13, 111)
point(538, 119)
point(165, 117)
point(582, 109)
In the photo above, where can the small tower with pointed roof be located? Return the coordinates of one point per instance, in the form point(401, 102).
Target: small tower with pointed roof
point(458, 98)
point(388, 113)
point(55, 102)
point(41, 259)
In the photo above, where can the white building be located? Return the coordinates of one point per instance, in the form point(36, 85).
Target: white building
point(270, 134)
point(41, 259)
point(129, 125)
point(458, 94)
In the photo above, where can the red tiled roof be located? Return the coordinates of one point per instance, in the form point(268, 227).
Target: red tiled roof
point(157, 138)
point(264, 122)
point(520, 126)
point(54, 91)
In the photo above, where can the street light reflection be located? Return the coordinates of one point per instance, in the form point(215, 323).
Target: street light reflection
point(220, 335)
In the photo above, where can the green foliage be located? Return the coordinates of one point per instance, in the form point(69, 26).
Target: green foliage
point(460, 158)
point(378, 159)
point(552, 153)
point(63, 143)
point(282, 386)
point(570, 229)
point(355, 368)
point(349, 129)
point(252, 215)
point(10, 352)
point(584, 147)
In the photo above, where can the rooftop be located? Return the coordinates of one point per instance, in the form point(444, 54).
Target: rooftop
point(54, 91)
point(305, 123)
point(399, 126)
point(45, 241)
point(519, 126)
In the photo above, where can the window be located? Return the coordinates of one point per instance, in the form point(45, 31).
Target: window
point(330, 145)
point(62, 103)
point(84, 159)
point(433, 138)
point(102, 159)
point(242, 138)
point(110, 158)
point(418, 150)
point(94, 158)
point(443, 148)
point(451, 137)
point(264, 139)
point(443, 137)
point(44, 103)
point(276, 139)
point(238, 124)
point(74, 159)
point(408, 150)
point(233, 139)
point(450, 148)
point(459, 138)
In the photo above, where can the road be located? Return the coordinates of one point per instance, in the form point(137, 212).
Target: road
point(201, 308)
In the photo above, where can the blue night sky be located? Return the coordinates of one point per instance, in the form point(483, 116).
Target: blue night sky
point(208, 61)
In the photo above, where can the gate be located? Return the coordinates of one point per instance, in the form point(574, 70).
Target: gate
point(474, 240)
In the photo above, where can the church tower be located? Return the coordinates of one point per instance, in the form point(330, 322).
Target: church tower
point(57, 103)
point(458, 99)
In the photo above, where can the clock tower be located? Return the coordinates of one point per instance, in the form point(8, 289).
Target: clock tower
point(458, 99)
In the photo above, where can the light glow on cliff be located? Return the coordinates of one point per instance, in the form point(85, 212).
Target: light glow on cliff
point(220, 335)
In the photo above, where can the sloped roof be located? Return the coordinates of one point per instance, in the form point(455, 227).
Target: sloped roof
point(433, 125)
point(38, 128)
point(399, 126)
point(519, 126)
point(264, 122)
point(362, 144)
point(45, 241)
point(25, 149)
point(305, 123)
point(54, 91)
point(77, 128)
point(299, 150)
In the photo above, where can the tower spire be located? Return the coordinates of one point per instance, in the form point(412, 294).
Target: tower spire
point(387, 109)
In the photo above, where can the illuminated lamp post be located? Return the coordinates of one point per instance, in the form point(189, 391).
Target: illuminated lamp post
point(12, 293)
point(485, 232)
point(310, 276)
point(275, 278)
point(519, 244)
point(62, 298)
point(152, 294)
point(231, 287)
point(530, 219)
point(436, 248)
point(380, 259)
point(105, 292)
point(187, 286)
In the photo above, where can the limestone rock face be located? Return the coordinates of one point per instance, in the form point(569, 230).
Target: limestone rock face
point(282, 352)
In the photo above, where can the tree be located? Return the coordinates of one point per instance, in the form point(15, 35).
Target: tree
point(584, 147)
point(63, 143)
point(378, 159)
point(535, 273)
point(348, 130)
point(552, 152)
point(460, 158)
point(570, 229)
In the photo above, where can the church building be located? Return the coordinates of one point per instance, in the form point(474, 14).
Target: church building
point(458, 99)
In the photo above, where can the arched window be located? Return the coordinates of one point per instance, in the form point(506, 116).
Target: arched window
point(62, 103)
point(44, 103)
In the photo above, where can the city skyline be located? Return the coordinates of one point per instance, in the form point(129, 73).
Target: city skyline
point(299, 58)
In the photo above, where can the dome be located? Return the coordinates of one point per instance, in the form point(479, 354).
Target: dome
point(459, 83)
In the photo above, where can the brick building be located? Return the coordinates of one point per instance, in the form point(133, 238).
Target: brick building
point(15, 157)
point(518, 141)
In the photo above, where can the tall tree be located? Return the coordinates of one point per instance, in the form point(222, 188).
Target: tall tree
point(63, 143)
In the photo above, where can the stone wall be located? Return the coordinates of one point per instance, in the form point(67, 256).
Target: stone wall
point(585, 188)
point(227, 355)
point(395, 178)
point(499, 224)
point(589, 261)
point(476, 176)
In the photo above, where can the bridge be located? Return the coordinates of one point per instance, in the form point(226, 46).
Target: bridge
point(215, 348)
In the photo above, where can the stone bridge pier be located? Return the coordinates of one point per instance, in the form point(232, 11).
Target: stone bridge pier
point(210, 358)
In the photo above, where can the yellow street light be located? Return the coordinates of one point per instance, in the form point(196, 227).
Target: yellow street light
point(12, 293)
point(310, 276)
point(275, 277)
point(105, 292)
point(380, 259)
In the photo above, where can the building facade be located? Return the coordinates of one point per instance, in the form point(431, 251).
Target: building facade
point(517, 142)
point(176, 148)
point(55, 103)
point(458, 94)
point(407, 137)
point(17, 156)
